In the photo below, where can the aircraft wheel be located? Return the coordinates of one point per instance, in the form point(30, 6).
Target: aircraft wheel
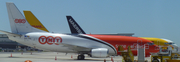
point(80, 57)
point(155, 60)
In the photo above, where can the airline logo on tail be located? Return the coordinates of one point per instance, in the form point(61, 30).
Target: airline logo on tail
point(75, 26)
point(33, 21)
point(20, 21)
point(50, 40)
point(37, 26)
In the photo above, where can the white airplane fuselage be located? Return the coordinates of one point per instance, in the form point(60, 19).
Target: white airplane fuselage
point(36, 40)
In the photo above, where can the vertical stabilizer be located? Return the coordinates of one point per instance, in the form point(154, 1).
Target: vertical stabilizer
point(74, 27)
point(33, 21)
point(17, 21)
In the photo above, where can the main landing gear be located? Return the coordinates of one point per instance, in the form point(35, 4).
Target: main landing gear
point(81, 57)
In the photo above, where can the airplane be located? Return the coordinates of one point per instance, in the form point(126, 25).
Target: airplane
point(109, 38)
point(96, 46)
point(76, 29)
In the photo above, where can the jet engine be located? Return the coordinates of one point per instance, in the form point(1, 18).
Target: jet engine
point(99, 52)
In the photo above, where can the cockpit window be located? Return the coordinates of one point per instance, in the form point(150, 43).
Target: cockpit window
point(169, 43)
point(166, 43)
point(151, 43)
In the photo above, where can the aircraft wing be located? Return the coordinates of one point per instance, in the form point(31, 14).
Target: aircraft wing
point(8, 33)
point(75, 47)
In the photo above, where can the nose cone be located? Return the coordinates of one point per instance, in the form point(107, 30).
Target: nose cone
point(175, 45)
point(175, 48)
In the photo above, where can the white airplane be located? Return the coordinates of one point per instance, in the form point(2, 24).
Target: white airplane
point(94, 45)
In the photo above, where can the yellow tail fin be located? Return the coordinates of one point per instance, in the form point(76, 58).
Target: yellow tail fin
point(33, 21)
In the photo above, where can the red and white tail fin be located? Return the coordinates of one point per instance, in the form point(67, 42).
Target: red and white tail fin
point(17, 20)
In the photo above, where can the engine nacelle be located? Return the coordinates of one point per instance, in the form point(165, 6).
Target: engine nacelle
point(99, 52)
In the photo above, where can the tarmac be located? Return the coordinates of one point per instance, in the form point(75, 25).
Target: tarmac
point(52, 57)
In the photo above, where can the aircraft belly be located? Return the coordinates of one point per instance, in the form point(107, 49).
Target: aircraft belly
point(87, 43)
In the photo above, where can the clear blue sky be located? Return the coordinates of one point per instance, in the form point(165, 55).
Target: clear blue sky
point(145, 18)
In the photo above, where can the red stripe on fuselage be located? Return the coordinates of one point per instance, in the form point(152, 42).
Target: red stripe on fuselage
point(123, 40)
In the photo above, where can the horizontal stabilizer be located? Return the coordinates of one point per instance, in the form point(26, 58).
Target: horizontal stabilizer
point(5, 32)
